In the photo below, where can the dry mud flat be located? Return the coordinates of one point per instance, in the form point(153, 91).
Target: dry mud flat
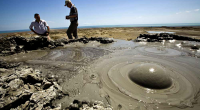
point(123, 75)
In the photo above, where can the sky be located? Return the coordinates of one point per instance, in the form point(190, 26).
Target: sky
point(18, 14)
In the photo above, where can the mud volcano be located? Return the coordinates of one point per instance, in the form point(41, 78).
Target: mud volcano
point(150, 76)
point(126, 75)
point(156, 82)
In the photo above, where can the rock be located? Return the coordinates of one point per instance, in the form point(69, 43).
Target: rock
point(57, 86)
point(57, 107)
point(195, 47)
point(17, 44)
point(46, 84)
point(24, 106)
point(18, 49)
point(8, 65)
point(29, 76)
point(162, 36)
point(76, 102)
point(85, 102)
point(15, 84)
point(13, 101)
point(79, 105)
point(36, 43)
point(74, 107)
point(63, 40)
point(106, 40)
point(2, 92)
point(34, 78)
point(24, 72)
point(31, 88)
point(9, 78)
point(41, 98)
point(38, 84)
point(24, 89)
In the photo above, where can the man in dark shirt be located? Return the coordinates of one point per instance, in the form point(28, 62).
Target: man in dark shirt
point(73, 16)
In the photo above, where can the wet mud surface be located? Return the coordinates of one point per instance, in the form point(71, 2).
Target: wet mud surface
point(123, 75)
point(75, 54)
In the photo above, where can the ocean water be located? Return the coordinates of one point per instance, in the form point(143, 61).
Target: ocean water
point(107, 26)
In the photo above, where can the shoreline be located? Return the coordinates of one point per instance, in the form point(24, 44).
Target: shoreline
point(124, 33)
point(90, 27)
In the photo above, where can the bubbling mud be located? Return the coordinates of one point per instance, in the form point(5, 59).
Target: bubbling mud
point(150, 76)
point(143, 82)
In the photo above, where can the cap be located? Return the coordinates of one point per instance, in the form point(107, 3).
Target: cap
point(66, 1)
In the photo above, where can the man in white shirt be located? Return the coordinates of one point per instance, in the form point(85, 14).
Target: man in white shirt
point(40, 27)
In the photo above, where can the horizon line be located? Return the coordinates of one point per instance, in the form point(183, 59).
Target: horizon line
point(108, 25)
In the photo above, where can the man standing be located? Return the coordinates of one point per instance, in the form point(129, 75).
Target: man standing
point(73, 16)
point(41, 28)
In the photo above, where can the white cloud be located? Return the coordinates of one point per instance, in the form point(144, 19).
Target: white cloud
point(187, 11)
point(196, 10)
point(178, 13)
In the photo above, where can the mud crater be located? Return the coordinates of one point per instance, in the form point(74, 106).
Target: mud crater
point(150, 76)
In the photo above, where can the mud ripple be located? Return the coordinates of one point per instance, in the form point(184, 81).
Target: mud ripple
point(159, 50)
point(149, 83)
point(75, 54)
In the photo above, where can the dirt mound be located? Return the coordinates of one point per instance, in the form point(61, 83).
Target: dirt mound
point(163, 36)
point(17, 44)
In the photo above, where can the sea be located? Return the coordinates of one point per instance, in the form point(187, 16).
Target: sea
point(110, 26)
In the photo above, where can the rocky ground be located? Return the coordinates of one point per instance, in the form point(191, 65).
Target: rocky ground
point(17, 44)
point(163, 36)
point(24, 88)
point(166, 36)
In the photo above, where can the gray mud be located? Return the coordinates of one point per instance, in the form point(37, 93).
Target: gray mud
point(152, 76)
point(124, 75)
